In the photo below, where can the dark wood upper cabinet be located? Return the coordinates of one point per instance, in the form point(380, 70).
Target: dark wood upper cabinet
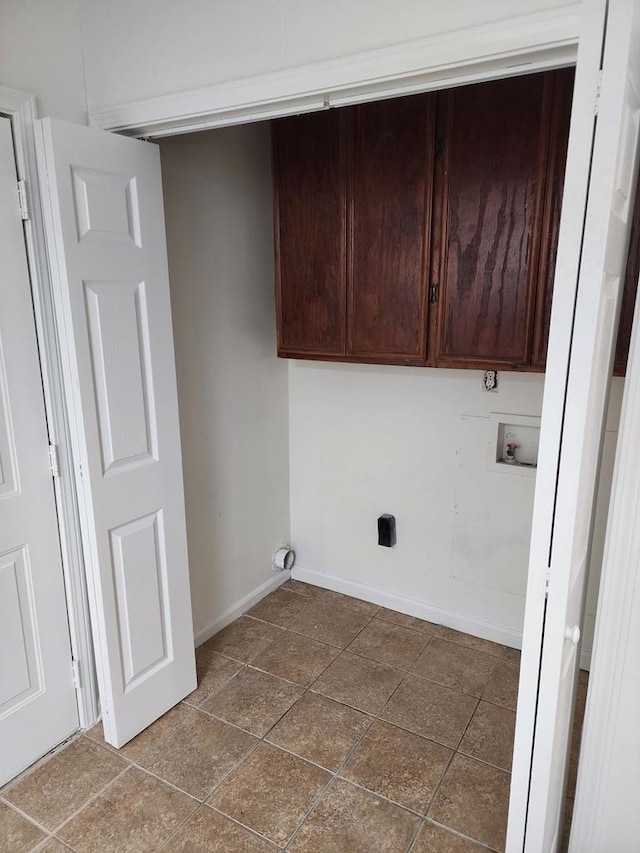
point(309, 168)
point(560, 117)
point(558, 142)
point(390, 221)
point(490, 189)
point(629, 292)
point(424, 230)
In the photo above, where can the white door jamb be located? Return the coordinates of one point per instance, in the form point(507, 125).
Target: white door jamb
point(20, 108)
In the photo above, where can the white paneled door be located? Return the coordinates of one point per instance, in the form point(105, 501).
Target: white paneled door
point(594, 233)
point(106, 240)
point(38, 706)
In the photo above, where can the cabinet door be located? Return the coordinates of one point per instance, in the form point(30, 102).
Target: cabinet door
point(495, 138)
point(390, 212)
point(559, 139)
point(310, 232)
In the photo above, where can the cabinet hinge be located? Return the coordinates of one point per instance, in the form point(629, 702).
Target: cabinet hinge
point(22, 200)
point(439, 147)
point(75, 673)
point(596, 107)
point(433, 294)
point(54, 460)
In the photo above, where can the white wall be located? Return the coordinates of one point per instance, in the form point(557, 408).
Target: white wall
point(413, 442)
point(41, 53)
point(232, 389)
point(196, 43)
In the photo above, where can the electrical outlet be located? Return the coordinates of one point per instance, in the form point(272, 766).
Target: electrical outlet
point(490, 380)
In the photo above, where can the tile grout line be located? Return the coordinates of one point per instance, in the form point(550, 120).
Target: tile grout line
point(244, 826)
point(24, 774)
point(335, 775)
point(87, 803)
point(373, 717)
point(500, 656)
point(307, 689)
point(31, 820)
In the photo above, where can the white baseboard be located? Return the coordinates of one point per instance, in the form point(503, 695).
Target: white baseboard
point(413, 607)
point(240, 607)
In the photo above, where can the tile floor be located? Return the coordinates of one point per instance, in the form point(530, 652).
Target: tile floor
point(321, 724)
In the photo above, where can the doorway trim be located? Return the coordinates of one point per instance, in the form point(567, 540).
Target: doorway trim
point(20, 108)
point(521, 44)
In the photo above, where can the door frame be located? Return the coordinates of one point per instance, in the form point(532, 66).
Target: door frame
point(20, 108)
point(520, 45)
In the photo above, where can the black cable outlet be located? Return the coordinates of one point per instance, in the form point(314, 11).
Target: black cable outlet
point(387, 530)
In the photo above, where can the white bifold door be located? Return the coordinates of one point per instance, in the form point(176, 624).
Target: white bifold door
point(104, 219)
point(38, 706)
point(594, 234)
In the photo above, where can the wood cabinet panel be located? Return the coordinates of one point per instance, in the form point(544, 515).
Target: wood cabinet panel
point(561, 113)
point(629, 292)
point(309, 163)
point(390, 207)
point(492, 181)
point(559, 140)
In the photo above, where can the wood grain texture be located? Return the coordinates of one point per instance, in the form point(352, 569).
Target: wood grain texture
point(559, 140)
point(390, 208)
point(310, 231)
point(495, 149)
point(629, 292)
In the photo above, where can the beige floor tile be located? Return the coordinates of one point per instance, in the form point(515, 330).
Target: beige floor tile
point(301, 588)
point(430, 710)
point(333, 599)
point(469, 641)
point(389, 643)
point(244, 639)
point(502, 687)
point(136, 748)
point(408, 621)
point(65, 782)
point(474, 800)
point(350, 820)
point(53, 845)
point(296, 658)
point(401, 766)
point(213, 671)
point(196, 755)
point(270, 792)
point(512, 655)
point(458, 667)
point(17, 835)
point(320, 730)
point(490, 735)
point(253, 700)
point(435, 839)
point(280, 608)
point(135, 814)
point(330, 597)
point(210, 832)
point(363, 684)
point(337, 626)
point(576, 738)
